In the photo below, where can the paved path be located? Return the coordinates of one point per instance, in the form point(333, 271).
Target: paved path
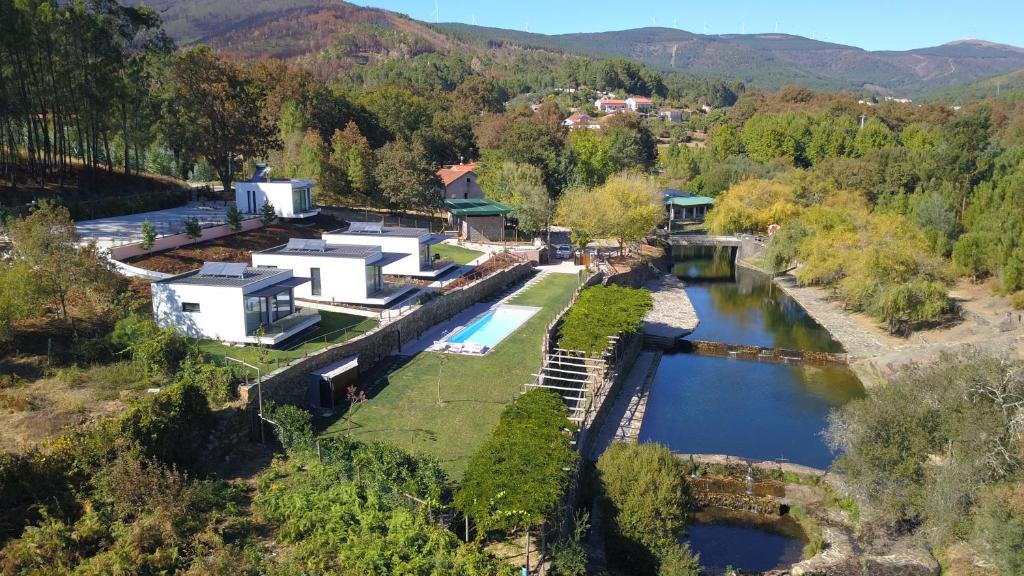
point(627, 414)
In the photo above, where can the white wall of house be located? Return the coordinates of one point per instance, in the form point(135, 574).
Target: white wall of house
point(410, 245)
point(341, 279)
point(286, 196)
point(221, 313)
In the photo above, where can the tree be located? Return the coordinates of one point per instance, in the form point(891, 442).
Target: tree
point(643, 488)
point(148, 235)
point(630, 207)
point(577, 211)
point(214, 109)
point(406, 179)
point(875, 134)
point(193, 229)
point(233, 217)
point(267, 213)
point(48, 244)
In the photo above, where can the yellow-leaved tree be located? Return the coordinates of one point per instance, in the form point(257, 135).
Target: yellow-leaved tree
point(751, 206)
point(626, 208)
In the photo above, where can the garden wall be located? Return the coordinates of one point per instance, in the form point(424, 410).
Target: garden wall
point(126, 251)
point(290, 383)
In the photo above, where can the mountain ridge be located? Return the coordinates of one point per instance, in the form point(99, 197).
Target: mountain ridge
point(332, 35)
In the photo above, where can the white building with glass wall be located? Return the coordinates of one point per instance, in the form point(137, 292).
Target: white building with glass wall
point(338, 273)
point(412, 243)
point(230, 302)
point(290, 198)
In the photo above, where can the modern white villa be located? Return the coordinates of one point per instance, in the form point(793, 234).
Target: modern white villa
point(413, 243)
point(290, 198)
point(230, 302)
point(338, 273)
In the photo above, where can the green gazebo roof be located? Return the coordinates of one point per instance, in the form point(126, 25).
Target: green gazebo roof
point(476, 207)
point(689, 201)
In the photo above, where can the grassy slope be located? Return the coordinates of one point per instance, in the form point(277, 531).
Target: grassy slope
point(474, 390)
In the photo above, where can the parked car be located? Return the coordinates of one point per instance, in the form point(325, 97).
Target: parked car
point(563, 251)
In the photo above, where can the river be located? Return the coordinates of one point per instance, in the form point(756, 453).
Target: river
point(745, 408)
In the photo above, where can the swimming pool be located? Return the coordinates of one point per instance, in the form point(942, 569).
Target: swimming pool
point(493, 326)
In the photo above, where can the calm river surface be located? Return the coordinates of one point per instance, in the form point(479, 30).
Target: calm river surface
point(760, 410)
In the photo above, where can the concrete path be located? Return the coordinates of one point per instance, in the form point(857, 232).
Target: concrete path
point(627, 414)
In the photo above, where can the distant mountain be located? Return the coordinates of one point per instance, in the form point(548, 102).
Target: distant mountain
point(773, 60)
point(1002, 85)
point(332, 35)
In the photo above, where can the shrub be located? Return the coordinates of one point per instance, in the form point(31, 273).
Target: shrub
point(158, 351)
point(519, 475)
point(600, 312)
point(217, 382)
point(643, 487)
point(1000, 527)
point(267, 213)
point(170, 426)
point(293, 426)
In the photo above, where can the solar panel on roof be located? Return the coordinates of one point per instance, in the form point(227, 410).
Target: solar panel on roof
point(306, 245)
point(365, 227)
point(225, 269)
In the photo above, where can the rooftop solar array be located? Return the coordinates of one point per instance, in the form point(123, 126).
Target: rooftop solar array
point(223, 269)
point(306, 245)
point(365, 227)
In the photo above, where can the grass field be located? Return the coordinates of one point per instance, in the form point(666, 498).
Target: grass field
point(335, 326)
point(474, 390)
point(456, 254)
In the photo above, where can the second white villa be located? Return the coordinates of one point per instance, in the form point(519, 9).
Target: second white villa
point(413, 243)
point(338, 273)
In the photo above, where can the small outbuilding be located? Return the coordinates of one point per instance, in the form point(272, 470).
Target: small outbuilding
point(686, 207)
point(290, 198)
point(480, 220)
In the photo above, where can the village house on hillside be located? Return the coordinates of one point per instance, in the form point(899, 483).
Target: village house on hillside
point(610, 105)
point(580, 120)
point(639, 103)
point(290, 198)
point(460, 181)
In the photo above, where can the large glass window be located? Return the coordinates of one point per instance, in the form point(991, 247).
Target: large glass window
point(425, 263)
point(282, 304)
point(255, 313)
point(314, 275)
point(374, 280)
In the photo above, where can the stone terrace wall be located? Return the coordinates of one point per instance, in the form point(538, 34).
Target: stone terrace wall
point(290, 383)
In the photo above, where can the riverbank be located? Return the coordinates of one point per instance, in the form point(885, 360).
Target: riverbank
point(987, 323)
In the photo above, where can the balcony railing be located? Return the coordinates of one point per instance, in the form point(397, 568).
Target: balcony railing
point(291, 321)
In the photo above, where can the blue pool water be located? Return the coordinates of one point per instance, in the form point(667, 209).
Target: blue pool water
point(494, 326)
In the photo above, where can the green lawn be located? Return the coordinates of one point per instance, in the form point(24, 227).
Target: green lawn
point(335, 326)
point(456, 254)
point(473, 389)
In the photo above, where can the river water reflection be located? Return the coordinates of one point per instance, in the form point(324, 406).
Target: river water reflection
point(760, 410)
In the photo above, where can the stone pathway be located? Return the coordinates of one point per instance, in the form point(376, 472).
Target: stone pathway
point(627, 414)
point(673, 315)
point(858, 342)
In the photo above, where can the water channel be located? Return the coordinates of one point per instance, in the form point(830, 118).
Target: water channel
point(745, 408)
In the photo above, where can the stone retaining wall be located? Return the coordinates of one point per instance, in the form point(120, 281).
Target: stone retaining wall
point(761, 353)
point(290, 384)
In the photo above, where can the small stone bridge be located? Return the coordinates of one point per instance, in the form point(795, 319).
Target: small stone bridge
point(704, 240)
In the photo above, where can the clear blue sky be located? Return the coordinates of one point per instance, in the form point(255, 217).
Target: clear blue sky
point(887, 25)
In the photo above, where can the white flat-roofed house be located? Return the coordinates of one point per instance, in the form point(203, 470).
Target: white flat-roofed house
point(338, 273)
point(413, 243)
point(290, 198)
point(229, 302)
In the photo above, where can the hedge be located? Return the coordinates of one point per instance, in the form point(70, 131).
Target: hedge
point(600, 312)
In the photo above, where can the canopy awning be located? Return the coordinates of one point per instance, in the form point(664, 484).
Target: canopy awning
point(279, 287)
point(339, 367)
point(388, 258)
point(435, 239)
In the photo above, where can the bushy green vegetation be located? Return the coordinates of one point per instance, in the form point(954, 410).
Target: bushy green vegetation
point(518, 477)
point(644, 491)
point(600, 312)
point(940, 450)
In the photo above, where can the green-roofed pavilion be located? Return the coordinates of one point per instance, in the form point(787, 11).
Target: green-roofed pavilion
point(688, 207)
point(477, 219)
